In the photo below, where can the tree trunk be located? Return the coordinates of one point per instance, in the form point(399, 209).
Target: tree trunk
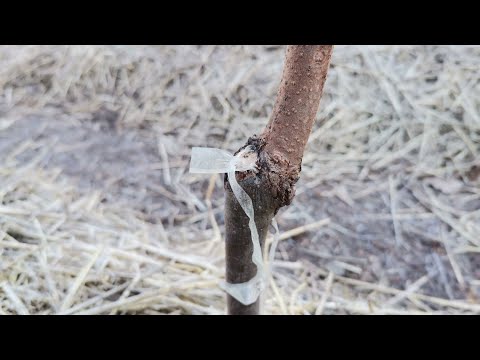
point(280, 150)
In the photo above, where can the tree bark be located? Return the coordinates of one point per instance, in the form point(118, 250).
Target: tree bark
point(280, 150)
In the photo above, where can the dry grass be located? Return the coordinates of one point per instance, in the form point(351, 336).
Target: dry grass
point(386, 218)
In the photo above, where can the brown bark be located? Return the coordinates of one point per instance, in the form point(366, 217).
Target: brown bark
point(296, 106)
point(239, 247)
point(280, 150)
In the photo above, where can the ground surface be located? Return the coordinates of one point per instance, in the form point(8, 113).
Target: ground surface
point(98, 213)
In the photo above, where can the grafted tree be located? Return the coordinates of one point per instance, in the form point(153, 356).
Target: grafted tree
point(279, 151)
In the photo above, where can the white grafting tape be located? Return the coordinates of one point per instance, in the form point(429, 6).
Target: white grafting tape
point(273, 247)
point(211, 160)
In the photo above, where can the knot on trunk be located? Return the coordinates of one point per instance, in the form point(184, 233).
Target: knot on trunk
point(275, 176)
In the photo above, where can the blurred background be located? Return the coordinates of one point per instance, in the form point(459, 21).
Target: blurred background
point(99, 215)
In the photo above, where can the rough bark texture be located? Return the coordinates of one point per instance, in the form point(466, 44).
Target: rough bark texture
point(296, 106)
point(280, 150)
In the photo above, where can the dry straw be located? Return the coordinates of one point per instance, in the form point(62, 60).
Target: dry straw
point(386, 218)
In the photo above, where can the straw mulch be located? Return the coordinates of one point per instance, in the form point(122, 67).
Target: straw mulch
point(99, 215)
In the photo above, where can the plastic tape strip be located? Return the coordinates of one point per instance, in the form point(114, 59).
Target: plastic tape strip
point(211, 160)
